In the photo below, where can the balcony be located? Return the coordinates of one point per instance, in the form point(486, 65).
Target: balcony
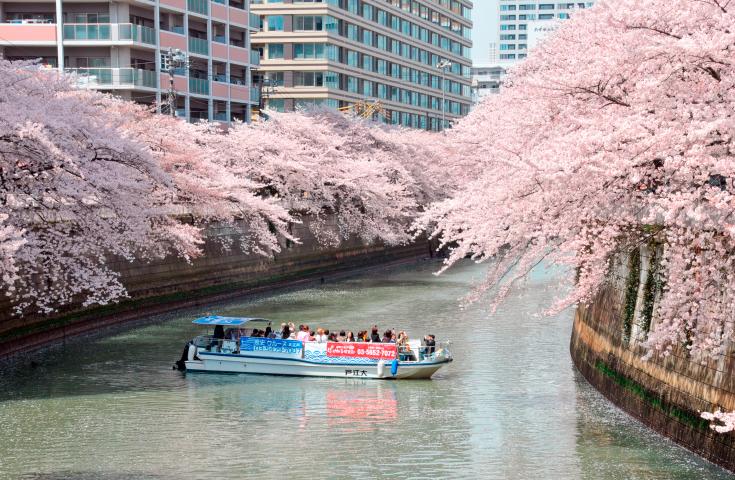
point(255, 21)
point(109, 31)
point(113, 77)
point(137, 33)
point(199, 86)
point(198, 6)
point(15, 33)
point(198, 45)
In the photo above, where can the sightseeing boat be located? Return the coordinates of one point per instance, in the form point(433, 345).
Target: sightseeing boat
point(240, 353)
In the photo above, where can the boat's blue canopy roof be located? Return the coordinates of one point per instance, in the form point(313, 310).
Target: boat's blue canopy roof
point(226, 321)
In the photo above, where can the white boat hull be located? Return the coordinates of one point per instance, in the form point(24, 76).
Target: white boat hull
point(269, 365)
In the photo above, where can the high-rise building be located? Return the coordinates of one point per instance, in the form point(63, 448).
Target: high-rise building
point(119, 46)
point(493, 52)
point(410, 56)
point(523, 23)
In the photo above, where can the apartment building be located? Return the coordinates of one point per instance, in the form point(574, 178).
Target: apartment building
point(524, 23)
point(119, 46)
point(486, 80)
point(412, 56)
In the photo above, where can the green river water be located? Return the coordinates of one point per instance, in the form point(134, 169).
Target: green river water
point(511, 405)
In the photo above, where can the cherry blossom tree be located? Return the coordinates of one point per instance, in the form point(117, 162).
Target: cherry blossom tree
point(617, 131)
point(87, 178)
point(320, 163)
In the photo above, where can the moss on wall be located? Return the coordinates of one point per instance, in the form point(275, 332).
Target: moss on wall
point(631, 291)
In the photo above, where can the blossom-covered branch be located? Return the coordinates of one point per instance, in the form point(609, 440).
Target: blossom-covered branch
point(617, 131)
point(86, 177)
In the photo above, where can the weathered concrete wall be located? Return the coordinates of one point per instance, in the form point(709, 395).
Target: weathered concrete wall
point(665, 394)
point(171, 283)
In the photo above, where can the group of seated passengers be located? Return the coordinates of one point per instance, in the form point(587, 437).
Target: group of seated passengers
point(305, 334)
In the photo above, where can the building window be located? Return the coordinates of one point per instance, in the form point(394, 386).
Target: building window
point(308, 23)
point(277, 104)
point(275, 50)
point(275, 23)
point(308, 79)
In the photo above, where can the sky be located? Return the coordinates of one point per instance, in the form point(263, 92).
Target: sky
point(484, 30)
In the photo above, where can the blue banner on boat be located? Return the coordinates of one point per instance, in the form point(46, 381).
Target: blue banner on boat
point(256, 344)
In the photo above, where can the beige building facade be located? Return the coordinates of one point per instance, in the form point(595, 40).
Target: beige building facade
point(411, 56)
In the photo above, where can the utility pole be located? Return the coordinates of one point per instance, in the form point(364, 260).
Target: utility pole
point(443, 65)
point(173, 59)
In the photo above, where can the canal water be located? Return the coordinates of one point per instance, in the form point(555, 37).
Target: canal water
point(510, 406)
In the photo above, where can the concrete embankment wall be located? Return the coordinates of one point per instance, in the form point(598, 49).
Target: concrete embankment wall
point(171, 283)
point(667, 394)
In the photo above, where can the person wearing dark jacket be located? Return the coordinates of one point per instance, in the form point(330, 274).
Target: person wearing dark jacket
point(219, 335)
point(375, 336)
point(430, 345)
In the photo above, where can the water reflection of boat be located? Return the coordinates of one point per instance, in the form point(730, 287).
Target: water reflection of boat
point(270, 356)
point(350, 407)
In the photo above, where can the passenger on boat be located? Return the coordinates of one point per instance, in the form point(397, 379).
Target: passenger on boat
point(374, 335)
point(232, 334)
point(350, 337)
point(429, 345)
point(292, 329)
point(218, 336)
point(312, 337)
point(320, 336)
point(332, 337)
point(286, 332)
point(388, 336)
point(404, 349)
point(303, 334)
point(269, 333)
point(342, 337)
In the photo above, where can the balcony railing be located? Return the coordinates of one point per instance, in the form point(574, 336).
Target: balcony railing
point(137, 33)
point(198, 6)
point(199, 85)
point(254, 57)
point(109, 31)
point(198, 45)
point(255, 21)
point(113, 77)
point(88, 31)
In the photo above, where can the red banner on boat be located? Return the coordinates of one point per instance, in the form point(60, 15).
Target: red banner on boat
point(377, 351)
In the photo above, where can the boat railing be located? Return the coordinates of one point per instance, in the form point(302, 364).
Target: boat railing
point(440, 351)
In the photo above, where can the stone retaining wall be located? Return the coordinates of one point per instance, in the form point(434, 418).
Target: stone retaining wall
point(171, 283)
point(667, 394)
